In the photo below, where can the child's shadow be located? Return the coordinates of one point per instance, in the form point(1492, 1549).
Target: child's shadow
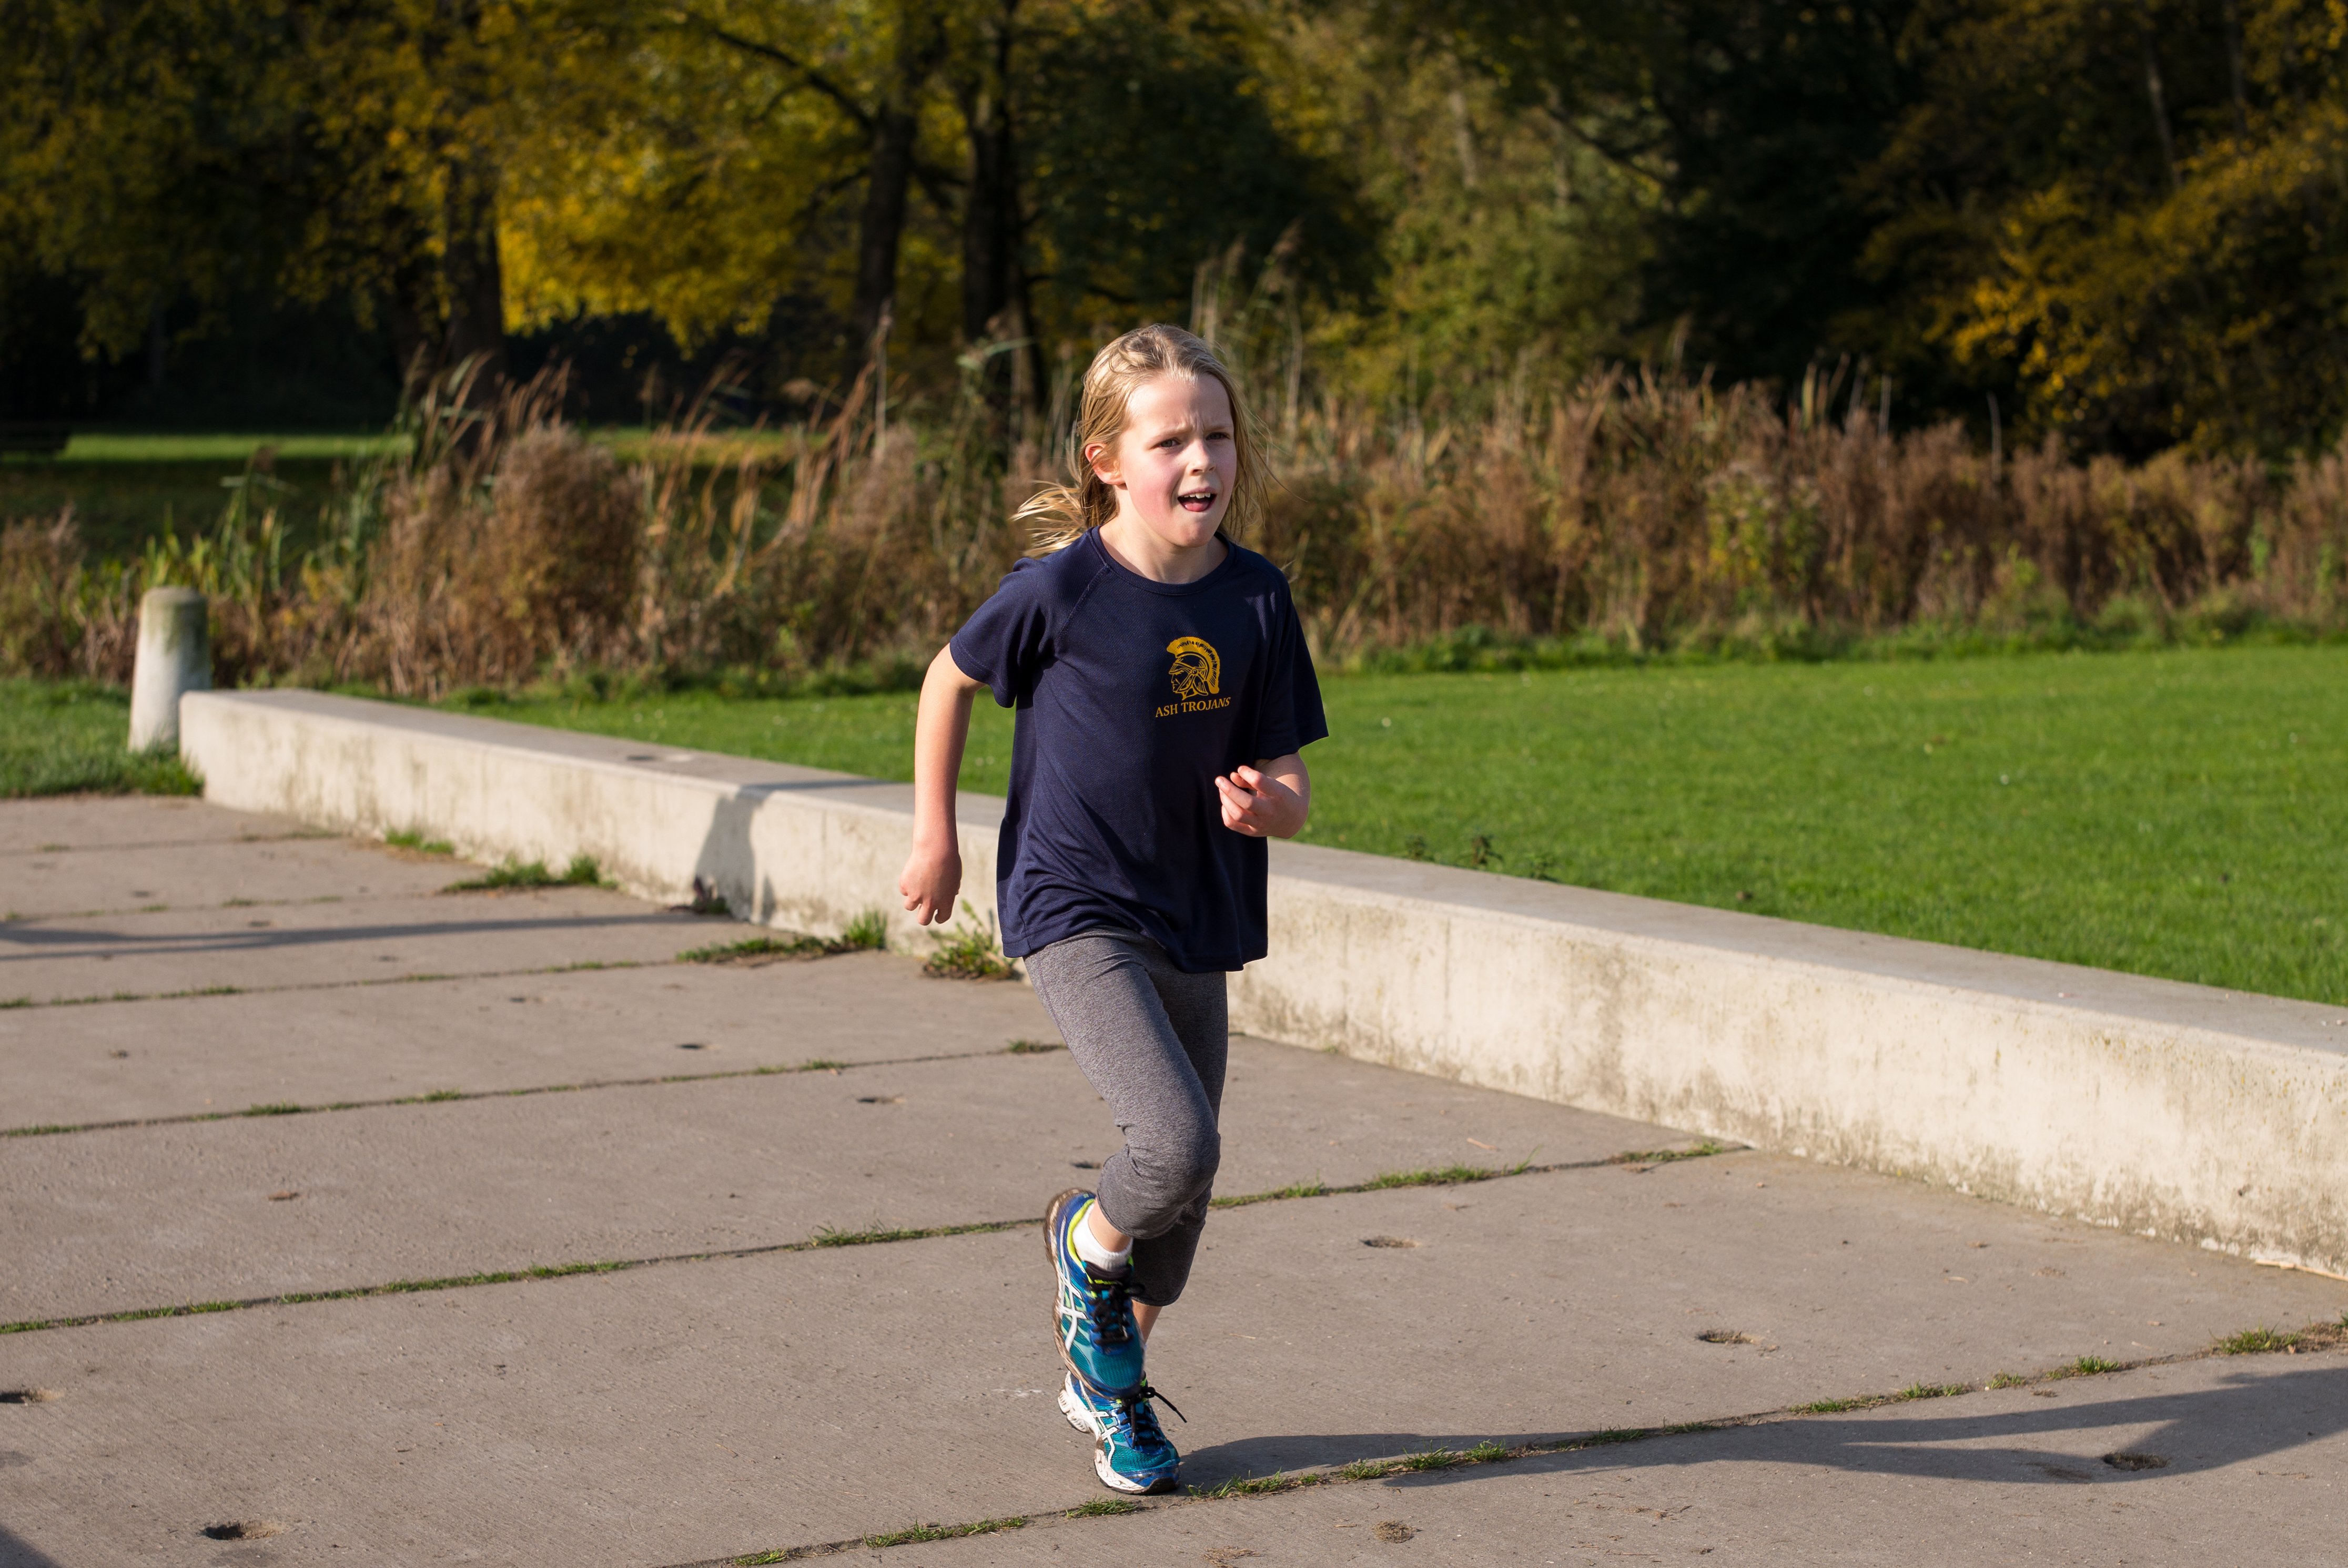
point(2248, 1417)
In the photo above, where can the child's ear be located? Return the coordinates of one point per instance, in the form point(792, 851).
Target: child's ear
point(1103, 460)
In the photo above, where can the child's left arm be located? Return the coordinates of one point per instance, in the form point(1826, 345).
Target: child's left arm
point(1270, 800)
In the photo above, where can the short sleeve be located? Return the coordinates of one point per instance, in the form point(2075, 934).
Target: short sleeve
point(1006, 641)
point(1291, 718)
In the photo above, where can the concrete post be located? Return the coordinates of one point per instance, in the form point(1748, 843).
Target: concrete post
point(175, 655)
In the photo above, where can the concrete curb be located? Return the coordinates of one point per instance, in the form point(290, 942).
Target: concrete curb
point(2169, 1110)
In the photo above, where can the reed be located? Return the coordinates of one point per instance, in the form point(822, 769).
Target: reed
point(1628, 514)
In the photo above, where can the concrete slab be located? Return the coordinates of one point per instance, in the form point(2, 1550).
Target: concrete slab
point(2256, 1469)
point(330, 944)
point(131, 1218)
point(2173, 1110)
point(692, 1412)
point(132, 822)
point(188, 1055)
point(209, 876)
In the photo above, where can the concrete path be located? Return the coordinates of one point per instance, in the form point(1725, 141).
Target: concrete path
point(664, 1263)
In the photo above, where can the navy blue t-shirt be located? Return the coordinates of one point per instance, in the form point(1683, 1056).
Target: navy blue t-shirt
point(1133, 695)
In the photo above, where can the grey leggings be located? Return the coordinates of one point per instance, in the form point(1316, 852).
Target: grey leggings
point(1152, 1040)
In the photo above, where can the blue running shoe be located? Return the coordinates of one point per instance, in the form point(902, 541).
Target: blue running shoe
point(1092, 1315)
point(1133, 1453)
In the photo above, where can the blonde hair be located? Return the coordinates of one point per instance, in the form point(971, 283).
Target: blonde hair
point(1063, 514)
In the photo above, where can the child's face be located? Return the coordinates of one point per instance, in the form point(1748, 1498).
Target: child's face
point(1174, 463)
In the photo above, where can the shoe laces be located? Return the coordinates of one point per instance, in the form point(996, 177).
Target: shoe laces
point(1141, 1421)
point(1109, 1300)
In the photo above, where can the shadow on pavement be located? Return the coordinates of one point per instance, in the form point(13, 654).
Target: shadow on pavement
point(15, 1553)
point(38, 943)
point(2204, 1428)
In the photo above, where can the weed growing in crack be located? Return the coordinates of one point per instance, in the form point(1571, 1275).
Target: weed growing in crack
point(1486, 1453)
point(583, 871)
point(1293, 1190)
point(917, 1533)
point(1032, 1046)
point(1931, 1390)
point(1829, 1407)
point(1369, 1470)
point(2087, 1366)
point(274, 1108)
point(754, 950)
point(971, 953)
point(412, 838)
point(869, 930)
point(439, 1096)
point(2257, 1342)
point(1433, 1458)
point(1259, 1485)
point(1614, 1435)
point(2006, 1380)
point(1683, 1429)
point(1449, 1176)
point(1103, 1508)
point(1702, 1150)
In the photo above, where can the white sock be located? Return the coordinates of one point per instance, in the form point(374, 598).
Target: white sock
point(1089, 1246)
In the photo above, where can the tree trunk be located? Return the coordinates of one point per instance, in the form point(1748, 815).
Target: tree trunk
point(472, 278)
point(893, 132)
point(990, 210)
point(994, 295)
point(896, 131)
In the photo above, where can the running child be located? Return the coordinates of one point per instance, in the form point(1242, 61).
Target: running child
point(1163, 692)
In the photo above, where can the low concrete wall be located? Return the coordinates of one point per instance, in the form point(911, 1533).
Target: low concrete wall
point(2171, 1109)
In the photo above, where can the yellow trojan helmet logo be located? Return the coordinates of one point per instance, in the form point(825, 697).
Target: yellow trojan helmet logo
point(1197, 669)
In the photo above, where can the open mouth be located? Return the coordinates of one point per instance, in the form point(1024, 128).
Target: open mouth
point(1196, 500)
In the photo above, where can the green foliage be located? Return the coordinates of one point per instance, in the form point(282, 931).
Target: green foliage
point(63, 737)
point(971, 952)
point(869, 931)
point(2257, 1342)
point(1450, 1175)
point(751, 949)
point(921, 1532)
point(2132, 229)
point(583, 871)
point(1161, 153)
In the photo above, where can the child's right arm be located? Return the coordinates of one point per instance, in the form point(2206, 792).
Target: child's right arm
point(933, 871)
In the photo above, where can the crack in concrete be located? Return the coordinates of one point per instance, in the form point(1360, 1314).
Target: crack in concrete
point(55, 915)
point(171, 844)
point(2318, 1336)
point(456, 1096)
point(824, 1238)
point(15, 1003)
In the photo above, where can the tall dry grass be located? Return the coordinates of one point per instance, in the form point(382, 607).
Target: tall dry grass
point(1655, 512)
point(1631, 512)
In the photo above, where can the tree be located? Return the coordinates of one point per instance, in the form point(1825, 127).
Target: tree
point(1749, 119)
point(2126, 219)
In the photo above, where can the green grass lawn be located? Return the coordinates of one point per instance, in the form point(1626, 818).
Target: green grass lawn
point(128, 488)
point(125, 490)
point(2175, 813)
point(57, 737)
